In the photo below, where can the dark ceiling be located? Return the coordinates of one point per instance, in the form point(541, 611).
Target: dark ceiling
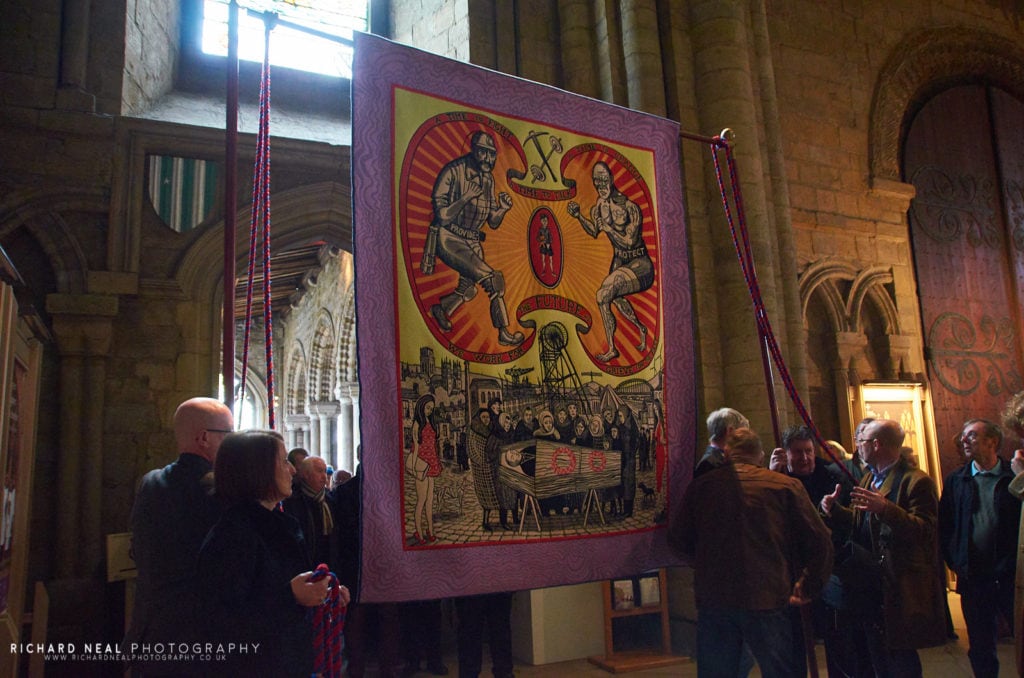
point(287, 271)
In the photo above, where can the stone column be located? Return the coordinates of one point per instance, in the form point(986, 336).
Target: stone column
point(323, 412)
point(850, 350)
point(641, 46)
point(357, 438)
point(724, 84)
point(82, 327)
point(74, 55)
point(294, 424)
point(313, 444)
point(577, 43)
point(325, 438)
point(346, 445)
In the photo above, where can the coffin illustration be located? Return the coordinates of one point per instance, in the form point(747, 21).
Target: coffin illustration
point(542, 468)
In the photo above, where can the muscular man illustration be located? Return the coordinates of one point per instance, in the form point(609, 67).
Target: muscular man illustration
point(631, 269)
point(464, 201)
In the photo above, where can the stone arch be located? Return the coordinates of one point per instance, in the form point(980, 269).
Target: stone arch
point(924, 64)
point(862, 337)
point(40, 213)
point(302, 215)
point(843, 289)
point(347, 346)
point(295, 393)
point(321, 358)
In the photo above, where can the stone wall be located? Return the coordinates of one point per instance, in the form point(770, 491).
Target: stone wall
point(437, 26)
point(817, 93)
point(151, 50)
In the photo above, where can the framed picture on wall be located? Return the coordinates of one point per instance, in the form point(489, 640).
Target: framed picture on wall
point(905, 402)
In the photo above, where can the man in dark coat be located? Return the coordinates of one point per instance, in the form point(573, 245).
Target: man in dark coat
point(797, 459)
point(978, 527)
point(311, 506)
point(892, 521)
point(174, 509)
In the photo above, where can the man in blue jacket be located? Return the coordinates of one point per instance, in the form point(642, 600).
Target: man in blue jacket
point(978, 528)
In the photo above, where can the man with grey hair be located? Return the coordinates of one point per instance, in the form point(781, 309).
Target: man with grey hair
point(890, 577)
point(776, 552)
point(720, 423)
point(978, 531)
point(312, 506)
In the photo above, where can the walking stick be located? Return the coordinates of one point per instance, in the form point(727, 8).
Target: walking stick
point(808, 629)
point(806, 625)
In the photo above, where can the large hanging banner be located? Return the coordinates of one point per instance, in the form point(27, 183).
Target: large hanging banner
point(523, 316)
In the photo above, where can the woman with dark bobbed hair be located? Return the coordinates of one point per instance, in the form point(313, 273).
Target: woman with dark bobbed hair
point(253, 569)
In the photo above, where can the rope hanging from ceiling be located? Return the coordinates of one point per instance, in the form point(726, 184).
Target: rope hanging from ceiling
point(261, 213)
point(741, 242)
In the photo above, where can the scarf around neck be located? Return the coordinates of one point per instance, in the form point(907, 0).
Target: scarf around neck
point(325, 510)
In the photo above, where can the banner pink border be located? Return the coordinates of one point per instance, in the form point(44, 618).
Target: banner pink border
point(389, 572)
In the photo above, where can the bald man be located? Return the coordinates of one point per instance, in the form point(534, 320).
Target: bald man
point(312, 505)
point(174, 509)
point(890, 578)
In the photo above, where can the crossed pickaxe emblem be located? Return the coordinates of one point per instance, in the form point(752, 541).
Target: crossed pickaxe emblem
point(538, 170)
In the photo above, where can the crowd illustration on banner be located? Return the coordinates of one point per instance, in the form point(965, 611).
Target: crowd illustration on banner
point(490, 459)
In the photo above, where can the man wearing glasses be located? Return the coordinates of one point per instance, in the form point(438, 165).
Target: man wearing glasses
point(892, 527)
point(174, 509)
point(978, 530)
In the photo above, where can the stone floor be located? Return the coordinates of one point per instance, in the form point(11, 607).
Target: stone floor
point(948, 661)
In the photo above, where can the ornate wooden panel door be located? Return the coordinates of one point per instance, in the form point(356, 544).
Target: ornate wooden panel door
point(964, 155)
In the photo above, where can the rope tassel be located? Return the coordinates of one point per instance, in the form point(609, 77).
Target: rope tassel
point(328, 624)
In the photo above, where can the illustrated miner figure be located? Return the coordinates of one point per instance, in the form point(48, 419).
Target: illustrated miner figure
point(464, 201)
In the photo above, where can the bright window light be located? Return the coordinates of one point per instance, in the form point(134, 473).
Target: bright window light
point(289, 47)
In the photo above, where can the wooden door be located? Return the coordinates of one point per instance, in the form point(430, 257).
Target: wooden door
point(964, 154)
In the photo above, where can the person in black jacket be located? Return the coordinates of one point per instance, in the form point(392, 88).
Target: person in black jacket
point(797, 459)
point(978, 530)
point(174, 509)
point(253, 572)
point(311, 505)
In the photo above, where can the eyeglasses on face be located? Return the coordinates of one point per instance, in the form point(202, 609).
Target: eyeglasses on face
point(865, 440)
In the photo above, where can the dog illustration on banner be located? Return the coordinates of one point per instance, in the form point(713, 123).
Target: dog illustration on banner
point(504, 440)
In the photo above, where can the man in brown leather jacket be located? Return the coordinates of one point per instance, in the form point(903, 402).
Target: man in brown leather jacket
point(757, 546)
